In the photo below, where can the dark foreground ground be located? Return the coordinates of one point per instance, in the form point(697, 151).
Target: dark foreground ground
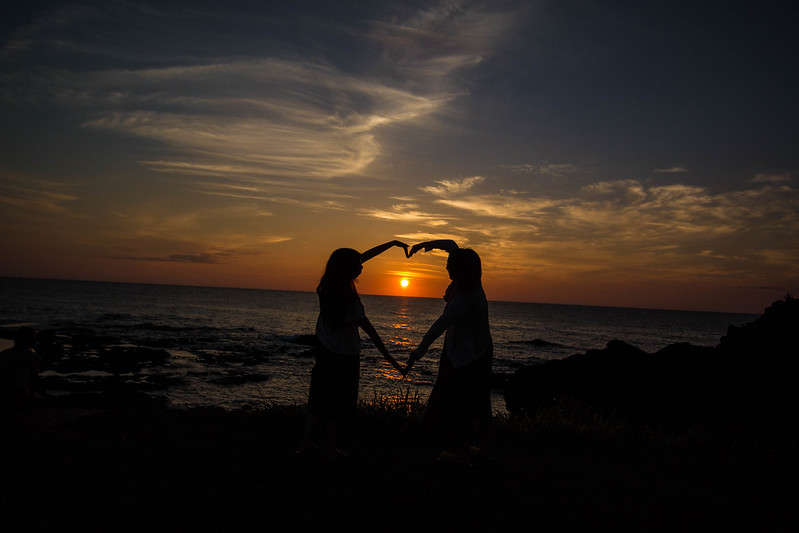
point(158, 469)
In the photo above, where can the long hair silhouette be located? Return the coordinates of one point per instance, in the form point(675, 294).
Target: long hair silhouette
point(337, 287)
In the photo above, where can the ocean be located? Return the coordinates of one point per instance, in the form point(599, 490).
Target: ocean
point(241, 348)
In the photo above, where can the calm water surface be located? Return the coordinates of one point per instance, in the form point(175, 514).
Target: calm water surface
point(239, 348)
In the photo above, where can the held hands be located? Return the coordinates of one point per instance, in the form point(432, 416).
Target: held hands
point(399, 367)
point(416, 248)
point(441, 244)
point(403, 246)
point(414, 356)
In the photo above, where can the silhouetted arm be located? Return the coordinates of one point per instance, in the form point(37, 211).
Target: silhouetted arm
point(379, 249)
point(436, 330)
point(458, 307)
point(369, 329)
point(442, 244)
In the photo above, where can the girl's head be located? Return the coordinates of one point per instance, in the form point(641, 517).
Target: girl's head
point(464, 268)
point(343, 266)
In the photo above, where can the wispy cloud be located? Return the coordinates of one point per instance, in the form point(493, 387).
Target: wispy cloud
point(501, 206)
point(679, 169)
point(649, 225)
point(510, 205)
point(406, 213)
point(28, 193)
point(198, 258)
point(453, 186)
point(275, 116)
point(772, 178)
point(430, 44)
point(546, 169)
point(284, 120)
point(210, 257)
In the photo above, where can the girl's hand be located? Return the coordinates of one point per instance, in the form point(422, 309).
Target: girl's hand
point(403, 246)
point(416, 248)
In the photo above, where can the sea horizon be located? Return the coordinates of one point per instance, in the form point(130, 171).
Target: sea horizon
point(312, 291)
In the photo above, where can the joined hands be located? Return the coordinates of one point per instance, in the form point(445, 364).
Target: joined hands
point(441, 244)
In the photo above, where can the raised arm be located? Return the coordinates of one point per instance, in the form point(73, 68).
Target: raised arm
point(369, 329)
point(379, 249)
point(442, 244)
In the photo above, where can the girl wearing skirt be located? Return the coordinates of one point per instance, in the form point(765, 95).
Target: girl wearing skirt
point(333, 394)
point(459, 408)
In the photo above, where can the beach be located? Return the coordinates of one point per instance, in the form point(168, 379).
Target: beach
point(211, 470)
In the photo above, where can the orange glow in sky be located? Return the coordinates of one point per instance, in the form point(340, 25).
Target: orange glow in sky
point(246, 164)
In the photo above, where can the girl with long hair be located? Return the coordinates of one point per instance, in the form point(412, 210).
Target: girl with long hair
point(333, 394)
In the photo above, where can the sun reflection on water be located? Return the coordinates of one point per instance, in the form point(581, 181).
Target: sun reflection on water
point(401, 324)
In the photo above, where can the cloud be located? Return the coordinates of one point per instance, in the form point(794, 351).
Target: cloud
point(629, 188)
point(772, 178)
point(501, 206)
point(679, 169)
point(453, 186)
point(275, 112)
point(672, 230)
point(421, 236)
point(550, 170)
point(406, 213)
point(199, 258)
point(285, 120)
point(28, 193)
point(430, 44)
point(278, 193)
point(457, 194)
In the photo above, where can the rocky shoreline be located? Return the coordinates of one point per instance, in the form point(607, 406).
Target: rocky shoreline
point(744, 386)
point(683, 439)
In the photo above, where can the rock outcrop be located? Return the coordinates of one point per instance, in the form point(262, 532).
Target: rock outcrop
point(747, 381)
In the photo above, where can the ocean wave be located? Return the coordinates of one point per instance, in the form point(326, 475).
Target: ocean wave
point(240, 379)
point(539, 343)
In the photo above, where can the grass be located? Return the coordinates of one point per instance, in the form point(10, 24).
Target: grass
point(567, 417)
point(210, 469)
point(403, 407)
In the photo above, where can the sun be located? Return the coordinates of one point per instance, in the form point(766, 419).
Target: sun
point(404, 282)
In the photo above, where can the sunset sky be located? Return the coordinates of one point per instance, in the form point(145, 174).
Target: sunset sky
point(640, 154)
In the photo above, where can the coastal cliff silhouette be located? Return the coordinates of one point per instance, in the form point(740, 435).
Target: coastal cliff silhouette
point(744, 384)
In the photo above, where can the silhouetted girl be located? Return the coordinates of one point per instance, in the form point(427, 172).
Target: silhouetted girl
point(333, 394)
point(459, 407)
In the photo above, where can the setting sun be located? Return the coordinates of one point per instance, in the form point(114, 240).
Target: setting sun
point(404, 282)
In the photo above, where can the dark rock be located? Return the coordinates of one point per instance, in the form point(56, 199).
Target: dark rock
point(774, 336)
point(121, 360)
point(745, 382)
point(539, 343)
